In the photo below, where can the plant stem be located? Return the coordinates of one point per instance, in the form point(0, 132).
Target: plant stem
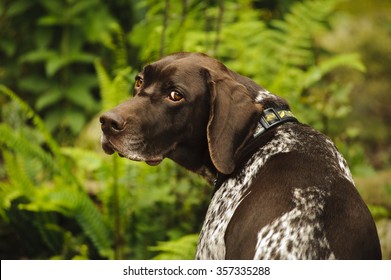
point(218, 27)
point(165, 25)
point(118, 245)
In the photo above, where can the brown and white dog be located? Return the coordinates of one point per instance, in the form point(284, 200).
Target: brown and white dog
point(283, 191)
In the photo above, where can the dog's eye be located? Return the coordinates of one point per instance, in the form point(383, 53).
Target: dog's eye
point(139, 82)
point(175, 96)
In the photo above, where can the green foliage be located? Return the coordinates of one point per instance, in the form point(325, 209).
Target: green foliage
point(379, 212)
point(180, 249)
point(285, 57)
point(53, 50)
point(41, 181)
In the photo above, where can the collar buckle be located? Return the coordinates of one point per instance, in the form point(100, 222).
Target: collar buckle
point(269, 118)
point(272, 117)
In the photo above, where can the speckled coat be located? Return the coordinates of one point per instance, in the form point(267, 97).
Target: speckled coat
point(293, 199)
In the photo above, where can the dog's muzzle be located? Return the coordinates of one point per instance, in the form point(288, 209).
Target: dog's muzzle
point(113, 129)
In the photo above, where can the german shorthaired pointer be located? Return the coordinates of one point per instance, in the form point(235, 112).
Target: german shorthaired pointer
point(283, 191)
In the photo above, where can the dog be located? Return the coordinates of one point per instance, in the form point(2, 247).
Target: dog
point(282, 189)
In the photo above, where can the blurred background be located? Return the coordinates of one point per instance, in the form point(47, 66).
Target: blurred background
point(63, 62)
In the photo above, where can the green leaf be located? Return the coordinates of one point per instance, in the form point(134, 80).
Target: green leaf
point(54, 7)
point(7, 46)
point(80, 95)
point(43, 37)
point(53, 120)
point(75, 120)
point(379, 212)
point(18, 7)
point(82, 6)
point(55, 63)
point(35, 83)
point(50, 20)
point(48, 98)
point(85, 159)
point(90, 80)
point(37, 56)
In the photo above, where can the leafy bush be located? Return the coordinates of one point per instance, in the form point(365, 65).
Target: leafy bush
point(50, 58)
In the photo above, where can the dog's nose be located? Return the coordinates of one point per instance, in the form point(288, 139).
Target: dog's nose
point(112, 123)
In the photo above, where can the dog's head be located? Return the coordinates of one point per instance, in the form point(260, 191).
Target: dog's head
point(187, 107)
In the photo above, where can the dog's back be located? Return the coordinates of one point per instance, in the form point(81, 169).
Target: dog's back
point(293, 199)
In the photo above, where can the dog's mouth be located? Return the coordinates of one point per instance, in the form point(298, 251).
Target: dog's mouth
point(110, 149)
point(154, 162)
point(107, 148)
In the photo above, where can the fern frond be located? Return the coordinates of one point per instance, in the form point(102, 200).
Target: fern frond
point(180, 249)
point(120, 52)
point(38, 122)
point(316, 72)
point(113, 91)
point(77, 204)
point(17, 175)
point(294, 35)
point(278, 56)
point(92, 222)
point(105, 85)
point(23, 146)
point(122, 84)
point(85, 159)
point(62, 164)
point(8, 193)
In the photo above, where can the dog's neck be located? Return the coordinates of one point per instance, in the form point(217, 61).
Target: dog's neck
point(195, 157)
point(275, 111)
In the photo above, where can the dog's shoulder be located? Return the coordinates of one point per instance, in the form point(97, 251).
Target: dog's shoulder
point(287, 202)
point(286, 192)
point(301, 194)
point(316, 152)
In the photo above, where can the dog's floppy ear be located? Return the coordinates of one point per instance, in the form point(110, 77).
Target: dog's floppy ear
point(232, 114)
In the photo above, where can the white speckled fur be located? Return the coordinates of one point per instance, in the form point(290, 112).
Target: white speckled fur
point(227, 198)
point(263, 95)
point(295, 234)
point(342, 164)
point(225, 201)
